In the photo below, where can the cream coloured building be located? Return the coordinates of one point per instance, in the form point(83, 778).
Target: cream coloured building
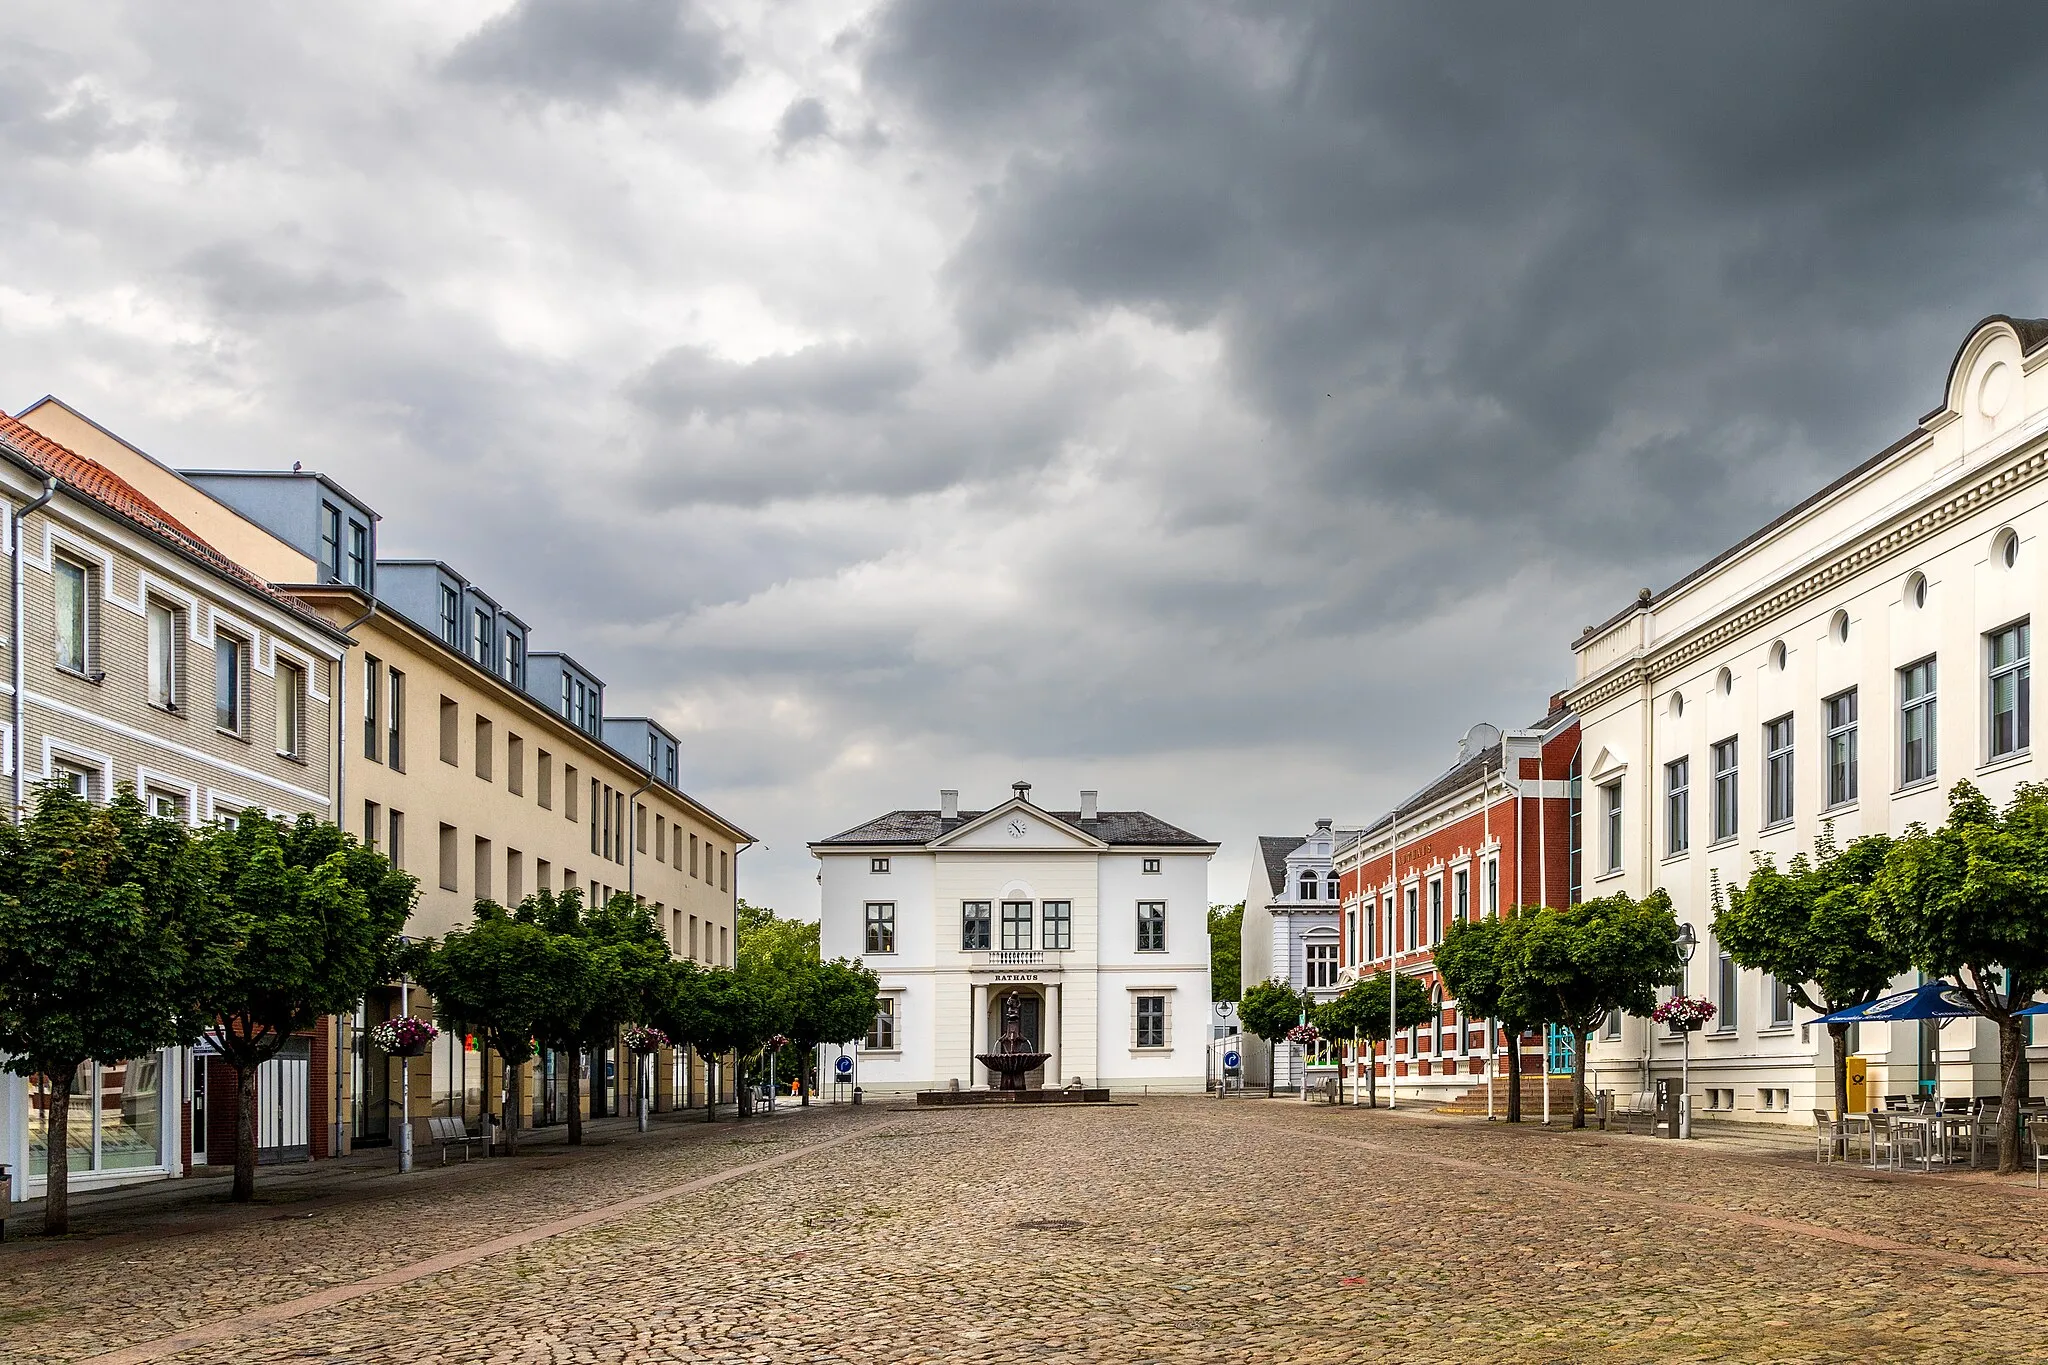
point(483, 766)
point(1097, 920)
point(1847, 664)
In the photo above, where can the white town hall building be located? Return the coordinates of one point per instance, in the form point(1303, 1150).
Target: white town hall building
point(1098, 919)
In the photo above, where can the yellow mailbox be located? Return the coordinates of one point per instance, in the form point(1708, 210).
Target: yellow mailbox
point(1859, 1085)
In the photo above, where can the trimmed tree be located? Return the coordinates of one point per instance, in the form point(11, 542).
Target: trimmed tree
point(315, 919)
point(830, 1002)
point(1268, 1010)
point(1969, 902)
point(501, 980)
point(105, 920)
point(723, 1012)
point(1813, 927)
point(1475, 960)
point(783, 953)
point(618, 982)
point(1226, 951)
point(1360, 1014)
point(1574, 967)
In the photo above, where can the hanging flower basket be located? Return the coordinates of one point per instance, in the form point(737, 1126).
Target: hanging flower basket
point(1684, 1013)
point(778, 1042)
point(645, 1038)
point(1304, 1035)
point(406, 1036)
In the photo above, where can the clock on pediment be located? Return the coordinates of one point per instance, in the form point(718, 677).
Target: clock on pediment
point(1017, 829)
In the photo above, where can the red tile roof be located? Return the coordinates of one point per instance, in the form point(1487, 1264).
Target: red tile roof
point(97, 483)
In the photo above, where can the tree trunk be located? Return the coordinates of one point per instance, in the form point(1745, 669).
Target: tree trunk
point(1838, 1034)
point(803, 1073)
point(62, 1076)
point(1372, 1077)
point(245, 1134)
point(742, 1092)
point(1579, 1036)
point(1269, 1068)
point(2012, 1061)
point(511, 1106)
point(576, 1097)
point(710, 1090)
point(1514, 1076)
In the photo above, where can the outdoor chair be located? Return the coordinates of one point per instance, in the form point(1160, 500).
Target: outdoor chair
point(2036, 1133)
point(1985, 1129)
point(449, 1131)
point(1829, 1137)
point(1882, 1137)
point(1895, 1104)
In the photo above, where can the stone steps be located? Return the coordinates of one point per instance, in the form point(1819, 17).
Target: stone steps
point(1473, 1101)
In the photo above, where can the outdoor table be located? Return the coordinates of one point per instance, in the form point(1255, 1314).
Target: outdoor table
point(1930, 1127)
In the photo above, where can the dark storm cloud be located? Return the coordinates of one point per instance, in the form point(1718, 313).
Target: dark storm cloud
point(1508, 261)
point(805, 120)
point(45, 111)
point(589, 51)
point(241, 281)
point(691, 382)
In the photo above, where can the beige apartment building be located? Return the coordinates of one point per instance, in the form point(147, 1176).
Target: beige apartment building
point(484, 768)
point(149, 657)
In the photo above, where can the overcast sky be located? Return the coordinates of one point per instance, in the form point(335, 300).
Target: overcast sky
point(1220, 406)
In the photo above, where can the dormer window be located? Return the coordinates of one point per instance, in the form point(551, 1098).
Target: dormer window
point(451, 616)
point(480, 638)
point(1308, 887)
point(1332, 887)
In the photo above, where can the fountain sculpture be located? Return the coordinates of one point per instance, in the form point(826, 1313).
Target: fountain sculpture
point(1013, 1057)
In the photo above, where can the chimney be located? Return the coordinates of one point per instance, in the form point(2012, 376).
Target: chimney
point(1088, 805)
point(1022, 789)
point(1324, 824)
point(949, 804)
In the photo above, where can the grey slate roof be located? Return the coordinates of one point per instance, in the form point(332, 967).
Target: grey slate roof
point(1110, 826)
point(1274, 850)
point(1457, 777)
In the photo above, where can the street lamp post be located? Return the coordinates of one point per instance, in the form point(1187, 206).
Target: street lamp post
point(1687, 942)
point(404, 1079)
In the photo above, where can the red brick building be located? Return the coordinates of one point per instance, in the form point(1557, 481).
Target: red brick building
point(1497, 829)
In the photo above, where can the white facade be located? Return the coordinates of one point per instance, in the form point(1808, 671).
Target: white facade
point(1290, 934)
point(1097, 919)
point(1929, 554)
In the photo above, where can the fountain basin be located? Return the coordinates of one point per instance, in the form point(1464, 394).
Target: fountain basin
point(1011, 1067)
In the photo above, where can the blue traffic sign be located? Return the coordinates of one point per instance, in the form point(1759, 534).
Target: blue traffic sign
point(1230, 1058)
point(844, 1066)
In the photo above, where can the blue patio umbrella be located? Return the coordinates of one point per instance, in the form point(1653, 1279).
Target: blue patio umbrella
point(2038, 1007)
point(1934, 1000)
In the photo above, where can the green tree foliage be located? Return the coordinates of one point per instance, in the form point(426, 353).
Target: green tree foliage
point(1365, 1011)
point(1813, 927)
point(501, 980)
point(313, 919)
point(106, 924)
point(1476, 961)
point(829, 1002)
point(1226, 951)
point(1268, 1010)
point(1969, 901)
point(783, 955)
point(721, 1010)
point(1575, 966)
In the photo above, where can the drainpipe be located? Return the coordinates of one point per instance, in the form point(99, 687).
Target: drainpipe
point(632, 851)
point(341, 822)
point(14, 631)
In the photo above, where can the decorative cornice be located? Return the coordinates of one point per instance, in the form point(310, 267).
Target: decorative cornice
point(1932, 517)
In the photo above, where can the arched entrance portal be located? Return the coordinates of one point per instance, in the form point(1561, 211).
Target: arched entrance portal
point(1032, 1024)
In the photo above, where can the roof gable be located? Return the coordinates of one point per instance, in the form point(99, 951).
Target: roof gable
point(1017, 824)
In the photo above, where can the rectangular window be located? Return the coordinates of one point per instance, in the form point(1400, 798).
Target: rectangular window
point(394, 847)
point(1059, 924)
point(1840, 711)
point(451, 617)
point(481, 638)
point(515, 876)
point(483, 868)
point(1321, 965)
point(515, 660)
point(881, 927)
point(1151, 1021)
point(1149, 866)
point(451, 739)
point(878, 866)
point(373, 824)
point(394, 738)
point(1677, 806)
point(2010, 708)
point(485, 748)
point(1151, 926)
point(693, 855)
point(359, 554)
point(1610, 824)
point(1777, 771)
point(1414, 917)
point(724, 870)
point(1461, 902)
point(566, 689)
point(1726, 807)
point(1351, 944)
point(1436, 911)
point(78, 781)
point(570, 787)
point(1493, 886)
point(1916, 722)
point(1016, 924)
point(600, 819)
point(544, 773)
point(660, 838)
point(230, 673)
point(164, 637)
point(543, 880)
point(373, 725)
point(1781, 1004)
point(448, 858)
point(1611, 1026)
point(73, 587)
point(290, 691)
point(515, 764)
point(330, 539)
point(974, 926)
point(639, 828)
point(1728, 981)
point(882, 1033)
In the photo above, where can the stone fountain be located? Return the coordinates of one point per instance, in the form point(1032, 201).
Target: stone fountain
point(1013, 1058)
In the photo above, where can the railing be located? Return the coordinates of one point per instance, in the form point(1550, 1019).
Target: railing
point(1016, 957)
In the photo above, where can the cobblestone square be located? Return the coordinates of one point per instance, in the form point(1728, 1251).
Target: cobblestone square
point(1165, 1230)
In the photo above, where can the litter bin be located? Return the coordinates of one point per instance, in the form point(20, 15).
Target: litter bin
point(1667, 1107)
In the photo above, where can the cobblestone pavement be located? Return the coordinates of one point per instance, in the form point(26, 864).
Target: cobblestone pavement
point(1172, 1230)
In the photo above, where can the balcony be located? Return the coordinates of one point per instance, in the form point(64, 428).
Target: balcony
point(1016, 957)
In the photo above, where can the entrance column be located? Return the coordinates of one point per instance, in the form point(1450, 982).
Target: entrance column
point(976, 1027)
point(1051, 1028)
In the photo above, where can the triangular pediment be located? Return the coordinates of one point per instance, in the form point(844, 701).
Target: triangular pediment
point(1606, 763)
point(1015, 826)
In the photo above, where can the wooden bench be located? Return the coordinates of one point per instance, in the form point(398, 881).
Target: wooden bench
point(450, 1132)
